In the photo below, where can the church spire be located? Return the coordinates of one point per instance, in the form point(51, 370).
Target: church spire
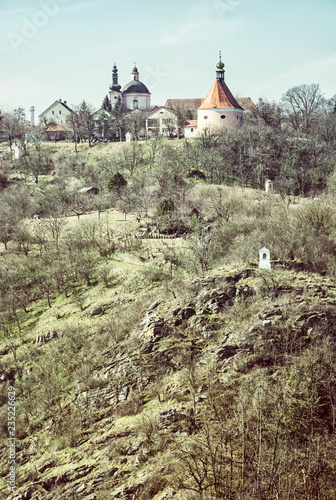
point(115, 86)
point(220, 69)
point(135, 73)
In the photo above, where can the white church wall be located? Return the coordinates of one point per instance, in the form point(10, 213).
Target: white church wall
point(143, 101)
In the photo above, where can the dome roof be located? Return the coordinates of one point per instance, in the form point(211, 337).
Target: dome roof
point(135, 87)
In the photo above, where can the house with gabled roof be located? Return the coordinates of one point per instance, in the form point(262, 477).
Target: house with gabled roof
point(162, 121)
point(57, 112)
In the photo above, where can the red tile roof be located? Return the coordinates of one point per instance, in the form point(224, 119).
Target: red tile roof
point(220, 97)
point(192, 123)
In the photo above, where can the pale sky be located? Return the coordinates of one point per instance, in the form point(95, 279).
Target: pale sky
point(51, 49)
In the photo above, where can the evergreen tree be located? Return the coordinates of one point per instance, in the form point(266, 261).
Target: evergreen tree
point(119, 113)
point(106, 104)
point(119, 108)
point(86, 121)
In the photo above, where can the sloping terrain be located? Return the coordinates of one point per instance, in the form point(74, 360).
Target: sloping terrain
point(218, 387)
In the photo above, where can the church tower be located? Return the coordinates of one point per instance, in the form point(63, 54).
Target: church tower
point(219, 110)
point(115, 87)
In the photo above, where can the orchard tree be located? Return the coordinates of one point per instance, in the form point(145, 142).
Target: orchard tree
point(136, 124)
point(35, 164)
point(12, 128)
point(131, 157)
point(74, 122)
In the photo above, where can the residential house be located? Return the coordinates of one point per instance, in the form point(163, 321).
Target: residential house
point(162, 121)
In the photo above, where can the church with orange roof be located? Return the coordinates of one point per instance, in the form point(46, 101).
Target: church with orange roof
point(219, 110)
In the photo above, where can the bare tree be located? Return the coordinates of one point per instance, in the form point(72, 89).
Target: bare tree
point(73, 121)
point(136, 124)
point(301, 104)
point(12, 128)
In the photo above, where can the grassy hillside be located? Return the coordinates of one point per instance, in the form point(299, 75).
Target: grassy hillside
point(226, 388)
point(167, 366)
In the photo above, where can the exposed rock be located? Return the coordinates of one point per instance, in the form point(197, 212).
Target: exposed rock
point(103, 475)
point(176, 311)
point(177, 420)
point(227, 351)
point(45, 466)
point(272, 313)
point(215, 300)
point(81, 488)
point(205, 323)
point(154, 329)
point(324, 319)
point(244, 291)
point(153, 306)
point(67, 477)
point(44, 339)
point(97, 311)
point(187, 313)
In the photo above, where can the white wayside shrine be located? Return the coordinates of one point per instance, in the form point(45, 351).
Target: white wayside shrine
point(264, 259)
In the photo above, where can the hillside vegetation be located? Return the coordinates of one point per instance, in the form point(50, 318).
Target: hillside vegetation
point(150, 357)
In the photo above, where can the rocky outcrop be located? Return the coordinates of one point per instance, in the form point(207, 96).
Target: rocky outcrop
point(177, 420)
point(44, 339)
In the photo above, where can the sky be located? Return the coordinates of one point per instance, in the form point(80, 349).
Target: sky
point(65, 49)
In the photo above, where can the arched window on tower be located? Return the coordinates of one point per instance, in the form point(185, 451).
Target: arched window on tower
point(135, 103)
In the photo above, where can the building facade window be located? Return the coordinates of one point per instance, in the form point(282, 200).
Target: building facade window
point(205, 118)
point(223, 117)
point(135, 103)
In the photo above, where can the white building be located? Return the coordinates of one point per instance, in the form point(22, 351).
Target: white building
point(135, 94)
point(57, 112)
point(162, 121)
point(190, 130)
point(269, 186)
point(264, 259)
point(219, 110)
